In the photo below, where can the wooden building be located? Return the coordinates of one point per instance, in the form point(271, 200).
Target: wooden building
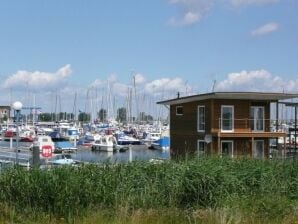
point(231, 123)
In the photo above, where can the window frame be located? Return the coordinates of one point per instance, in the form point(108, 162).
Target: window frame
point(254, 119)
point(179, 114)
point(198, 118)
point(198, 145)
point(255, 149)
point(232, 119)
point(227, 141)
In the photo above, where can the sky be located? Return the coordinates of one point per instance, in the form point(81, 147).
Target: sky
point(71, 55)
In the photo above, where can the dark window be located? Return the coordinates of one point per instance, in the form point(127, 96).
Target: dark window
point(179, 110)
point(201, 118)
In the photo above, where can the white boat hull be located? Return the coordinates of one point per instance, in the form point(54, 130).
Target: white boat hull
point(105, 148)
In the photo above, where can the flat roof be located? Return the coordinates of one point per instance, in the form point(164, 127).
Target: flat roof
point(231, 95)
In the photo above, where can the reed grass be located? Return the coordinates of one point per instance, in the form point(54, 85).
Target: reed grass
point(218, 189)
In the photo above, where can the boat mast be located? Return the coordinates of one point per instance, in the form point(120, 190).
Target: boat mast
point(136, 100)
point(74, 110)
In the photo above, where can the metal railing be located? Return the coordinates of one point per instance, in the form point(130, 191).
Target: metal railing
point(253, 125)
point(7, 157)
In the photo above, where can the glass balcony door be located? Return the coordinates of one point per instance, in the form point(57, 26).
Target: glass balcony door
point(227, 148)
point(258, 152)
point(257, 118)
point(227, 118)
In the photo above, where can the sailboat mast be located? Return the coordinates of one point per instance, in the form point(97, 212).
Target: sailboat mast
point(136, 100)
point(74, 110)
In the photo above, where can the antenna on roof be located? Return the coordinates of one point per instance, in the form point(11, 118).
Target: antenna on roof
point(214, 84)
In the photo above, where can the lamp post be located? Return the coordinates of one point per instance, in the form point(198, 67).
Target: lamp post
point(17, 106)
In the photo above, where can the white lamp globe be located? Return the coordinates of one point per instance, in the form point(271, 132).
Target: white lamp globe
point(17, 105)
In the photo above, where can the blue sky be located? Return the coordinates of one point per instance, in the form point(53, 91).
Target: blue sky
point(57, 48)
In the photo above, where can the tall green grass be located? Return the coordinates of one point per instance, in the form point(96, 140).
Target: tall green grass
point(267, 190)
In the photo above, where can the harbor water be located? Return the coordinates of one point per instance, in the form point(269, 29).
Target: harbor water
point(86, 155)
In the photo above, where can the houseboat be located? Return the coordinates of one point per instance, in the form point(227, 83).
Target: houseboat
point(234, 124)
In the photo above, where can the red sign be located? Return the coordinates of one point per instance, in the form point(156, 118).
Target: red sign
point(46, 151)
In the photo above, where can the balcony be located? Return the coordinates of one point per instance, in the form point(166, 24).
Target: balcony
point(240, 128)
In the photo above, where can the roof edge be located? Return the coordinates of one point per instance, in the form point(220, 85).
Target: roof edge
point(271, 96)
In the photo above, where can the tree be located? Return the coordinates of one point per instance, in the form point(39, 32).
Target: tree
point(45, 117)
point(148, 118)
point(102, 115)
point(5, 118)
point(143, 117)
point(84, 117)
point(121, 114)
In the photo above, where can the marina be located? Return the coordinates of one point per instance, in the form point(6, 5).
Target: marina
point(82, 154)
point(154, 112)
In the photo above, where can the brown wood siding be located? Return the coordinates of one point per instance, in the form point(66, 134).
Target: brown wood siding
point(186, 124)
point(184, 134)
point(242, 146)
point(183, 144)
point(241, 114)
point(183, 128)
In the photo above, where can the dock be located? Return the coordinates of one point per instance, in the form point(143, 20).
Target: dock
point(9, 158)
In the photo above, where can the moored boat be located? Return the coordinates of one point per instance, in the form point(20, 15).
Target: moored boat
point(162, 144)
point(105, 143)
point(123, 139)
point(62, 159)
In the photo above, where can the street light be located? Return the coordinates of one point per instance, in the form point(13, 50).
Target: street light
point(17, 106)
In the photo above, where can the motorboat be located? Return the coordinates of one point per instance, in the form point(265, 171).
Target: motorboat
point(10, 134)
point(123, 139)
point(105, 143)
point(44, 144)
point(62, 159)
point(88, 139)
point(72, 134)
point(149, 137)
point(64, 146)
point(162, 144)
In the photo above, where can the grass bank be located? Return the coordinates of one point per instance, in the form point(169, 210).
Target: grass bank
point(208, 190)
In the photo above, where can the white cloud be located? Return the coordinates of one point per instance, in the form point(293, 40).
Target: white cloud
point(259, 81)
point(38, 81)
point(112, 78)
point(190, 11)
point(112, 86)
point(139, 79)
point(120, 89)
point(166, 86)
point(265, 29)
point(240, 3)
point(97, 83)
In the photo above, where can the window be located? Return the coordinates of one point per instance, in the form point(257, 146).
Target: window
point(201, 118)
point(257, 118)
point(258, 152)
point(201, 147)
point(227, 148)
point(227, 118)
point(179, 110)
